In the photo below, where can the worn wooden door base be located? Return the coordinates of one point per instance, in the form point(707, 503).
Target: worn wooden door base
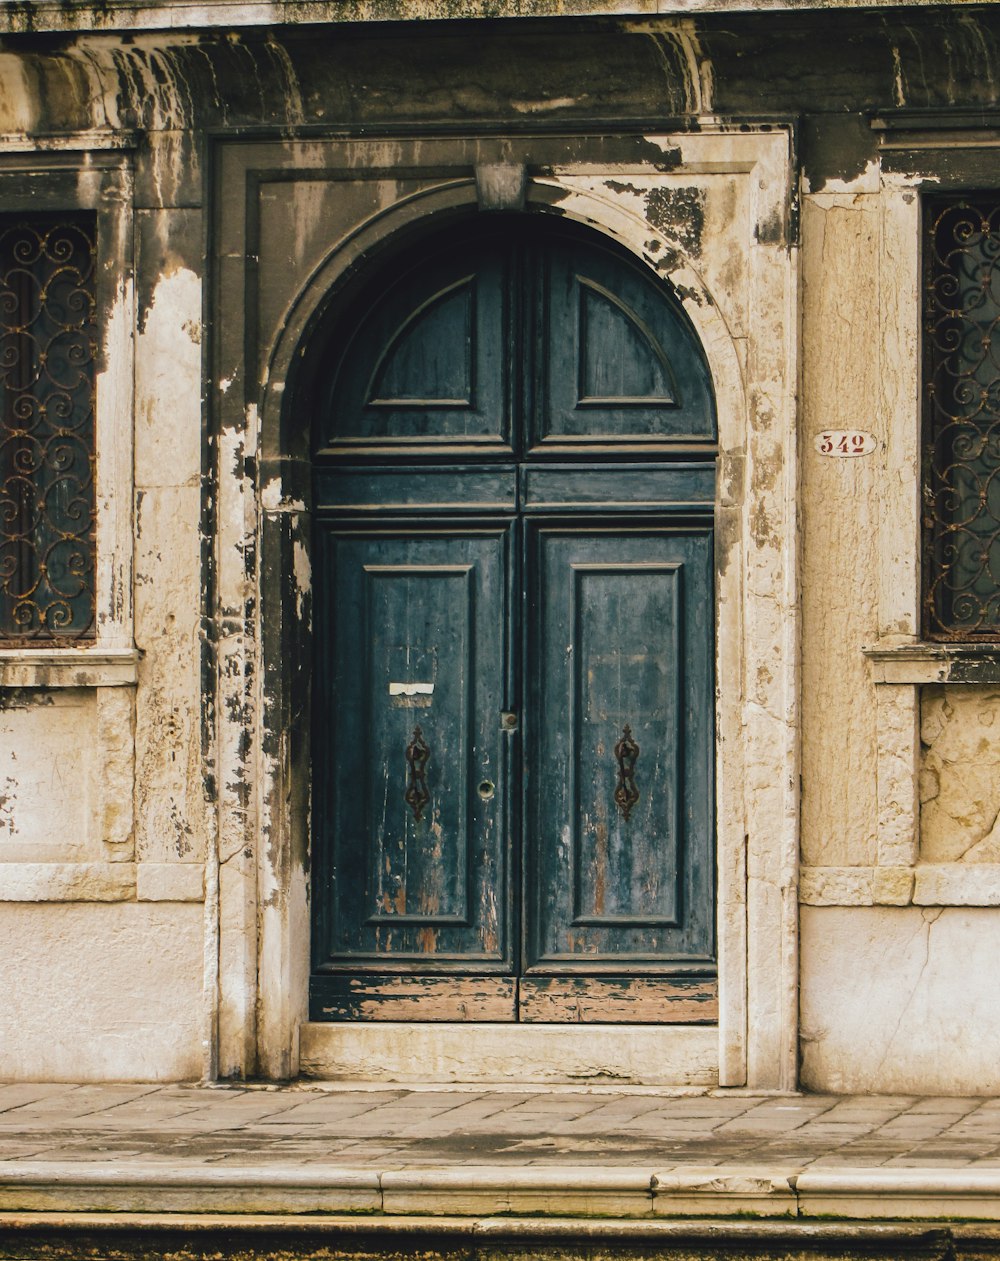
point(543, 999)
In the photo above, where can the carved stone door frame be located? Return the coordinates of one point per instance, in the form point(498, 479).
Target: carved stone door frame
point(711, 210)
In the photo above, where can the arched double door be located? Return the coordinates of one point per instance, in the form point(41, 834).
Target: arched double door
point(513, 727)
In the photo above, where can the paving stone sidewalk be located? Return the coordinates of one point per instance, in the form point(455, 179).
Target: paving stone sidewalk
point(443, 1127)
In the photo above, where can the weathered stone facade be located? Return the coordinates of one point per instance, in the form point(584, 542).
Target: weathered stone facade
point(768, 161)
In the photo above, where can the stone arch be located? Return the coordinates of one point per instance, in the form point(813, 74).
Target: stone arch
point(417, 215)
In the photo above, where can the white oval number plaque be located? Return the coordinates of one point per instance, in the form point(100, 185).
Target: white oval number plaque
point(845, 442)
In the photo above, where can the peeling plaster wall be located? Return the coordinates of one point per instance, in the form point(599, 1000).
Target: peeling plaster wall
point(181, 749)
point(171, 815)
point(899, 882)
point(960, 774)
point(838, 514)
point(107, 824)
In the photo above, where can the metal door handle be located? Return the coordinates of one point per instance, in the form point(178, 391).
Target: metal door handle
point(626, 753)
point(417, 754)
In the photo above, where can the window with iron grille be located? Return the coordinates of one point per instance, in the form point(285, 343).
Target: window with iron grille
point(961, 461)
point(47, 363)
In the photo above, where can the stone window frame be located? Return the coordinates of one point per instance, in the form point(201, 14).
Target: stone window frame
point(93, 173)
point(73, 173)
point(959, 519)
point(920, 153)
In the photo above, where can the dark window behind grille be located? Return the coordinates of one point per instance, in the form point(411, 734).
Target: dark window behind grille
point(47, 351)
point(961, 463)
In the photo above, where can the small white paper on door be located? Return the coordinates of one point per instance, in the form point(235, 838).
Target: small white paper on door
point(411, 695)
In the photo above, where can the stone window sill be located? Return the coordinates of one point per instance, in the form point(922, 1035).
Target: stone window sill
point(68, 667)
point(935, 663)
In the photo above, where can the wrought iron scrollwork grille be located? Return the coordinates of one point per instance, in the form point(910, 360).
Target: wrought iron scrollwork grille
point(961, 446)
point(47, 498)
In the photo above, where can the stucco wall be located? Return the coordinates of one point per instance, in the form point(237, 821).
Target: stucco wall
point(142, 849)
point(839, 522)
point(96, 992)
point(960, 774)
point(106, 822)
point(900, 1000)
point(899, 760)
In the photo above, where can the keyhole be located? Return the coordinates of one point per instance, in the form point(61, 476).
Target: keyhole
point(487, 789)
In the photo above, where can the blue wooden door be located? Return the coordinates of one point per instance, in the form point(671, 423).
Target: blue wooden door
point(513, 775)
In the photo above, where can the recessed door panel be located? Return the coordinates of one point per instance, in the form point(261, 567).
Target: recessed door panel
point(413, 802)
point(623, 691)
point(615, 361)
point(427, 362)
point(620, 748)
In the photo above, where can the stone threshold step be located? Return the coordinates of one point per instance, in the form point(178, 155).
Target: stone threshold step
point(552, 1191)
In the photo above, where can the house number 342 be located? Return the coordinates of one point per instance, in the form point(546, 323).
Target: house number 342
point(844, 442)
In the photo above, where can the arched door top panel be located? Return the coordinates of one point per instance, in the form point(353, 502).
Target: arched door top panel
point(514, 336)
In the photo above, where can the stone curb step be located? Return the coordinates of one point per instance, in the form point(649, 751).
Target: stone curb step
point(612, 1232)
point(488, 1191)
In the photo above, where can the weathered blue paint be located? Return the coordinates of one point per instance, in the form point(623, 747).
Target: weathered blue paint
point(514, 487)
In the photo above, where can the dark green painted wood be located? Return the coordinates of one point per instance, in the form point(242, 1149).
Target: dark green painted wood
point(426, 358)
point(620, 636)
point(428, 361)
point(381, 490)
point(535, 487)
point(633, 488)
point(413, 627)
point(573, 594)
point(616, 360)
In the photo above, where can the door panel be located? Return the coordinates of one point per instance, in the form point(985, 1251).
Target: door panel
point(477, 488)
point(427, 363)
point(619, 745)
point(399, 996)
point(615, 359)
point(632, 488)
point(412, 793)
